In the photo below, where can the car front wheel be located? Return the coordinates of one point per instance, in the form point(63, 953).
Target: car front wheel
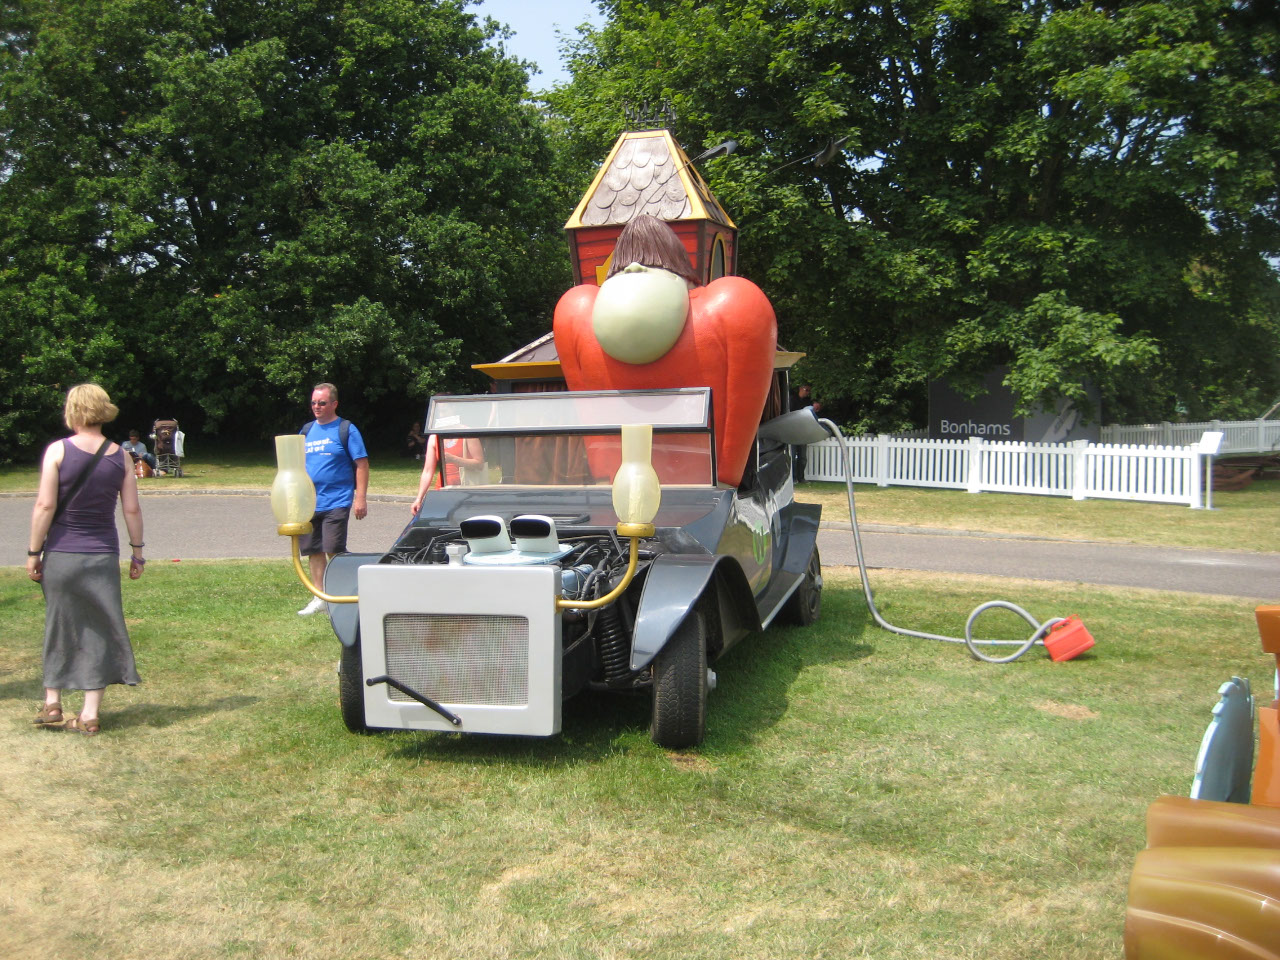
point(680, 685)
point(351, 688)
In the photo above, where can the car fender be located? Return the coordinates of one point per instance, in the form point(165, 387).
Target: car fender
point(340, 581)
point(673, 584)
point(798, 525)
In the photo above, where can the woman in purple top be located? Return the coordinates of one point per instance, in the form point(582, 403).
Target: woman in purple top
point(75, 555)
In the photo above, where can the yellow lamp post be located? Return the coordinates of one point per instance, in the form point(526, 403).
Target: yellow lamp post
point(293, 501)
point(636, 498)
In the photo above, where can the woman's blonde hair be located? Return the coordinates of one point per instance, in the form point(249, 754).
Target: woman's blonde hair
point(88, 405)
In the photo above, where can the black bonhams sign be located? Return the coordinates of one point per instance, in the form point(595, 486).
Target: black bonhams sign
point(953, 416)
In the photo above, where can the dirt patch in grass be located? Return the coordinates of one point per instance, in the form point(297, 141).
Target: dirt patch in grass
point(690, 762)
point(1069, 711)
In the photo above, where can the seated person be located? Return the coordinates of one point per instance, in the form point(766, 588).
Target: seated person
point(137, 449)
point(415, 444)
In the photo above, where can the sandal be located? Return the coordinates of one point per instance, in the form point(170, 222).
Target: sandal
point(89, 728)
point(50, 715)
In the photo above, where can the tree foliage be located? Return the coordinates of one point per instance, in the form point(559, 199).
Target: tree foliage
point(1082, 191)
point(209, 206)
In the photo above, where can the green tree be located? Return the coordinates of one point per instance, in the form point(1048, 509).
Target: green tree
point(208, 206)
point(1082, 191)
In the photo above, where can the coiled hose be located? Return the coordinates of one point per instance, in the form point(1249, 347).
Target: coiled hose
point(1038, 629)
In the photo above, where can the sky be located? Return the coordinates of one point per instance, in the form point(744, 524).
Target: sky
point(535, 23)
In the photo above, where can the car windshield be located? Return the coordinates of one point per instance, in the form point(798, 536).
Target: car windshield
point(569, 460)
point(568, 439)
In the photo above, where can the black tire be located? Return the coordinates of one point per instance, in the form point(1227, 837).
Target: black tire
point(805, 605)
point(351, 688)
point(680, 686)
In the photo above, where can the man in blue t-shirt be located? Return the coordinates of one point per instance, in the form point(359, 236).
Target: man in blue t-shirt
point(339, 468)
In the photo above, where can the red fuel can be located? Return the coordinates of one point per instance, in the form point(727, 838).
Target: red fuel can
point(1067, 639)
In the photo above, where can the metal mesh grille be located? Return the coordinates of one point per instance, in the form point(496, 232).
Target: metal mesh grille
point(459, 659)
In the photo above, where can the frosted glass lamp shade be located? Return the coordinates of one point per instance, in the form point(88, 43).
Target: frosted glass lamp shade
point(636, 492)
point(293, 495)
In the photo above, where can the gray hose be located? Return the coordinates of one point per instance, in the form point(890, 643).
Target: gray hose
point(1038, 629)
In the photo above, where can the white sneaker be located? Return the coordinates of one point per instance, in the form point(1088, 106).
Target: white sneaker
point(315, 606)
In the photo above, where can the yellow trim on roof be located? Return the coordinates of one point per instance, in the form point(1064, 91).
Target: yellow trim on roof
point(523, 370)
point(550, 369)
point(785, 359)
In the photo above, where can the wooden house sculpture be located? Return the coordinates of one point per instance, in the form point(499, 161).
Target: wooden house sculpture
point(645, 172)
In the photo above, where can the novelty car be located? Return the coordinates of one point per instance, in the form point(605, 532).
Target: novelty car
point(517, 585)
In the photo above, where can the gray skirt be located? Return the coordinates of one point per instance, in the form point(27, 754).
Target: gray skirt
point(86, 645)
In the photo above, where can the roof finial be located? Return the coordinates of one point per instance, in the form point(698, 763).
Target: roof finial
point(658, 116)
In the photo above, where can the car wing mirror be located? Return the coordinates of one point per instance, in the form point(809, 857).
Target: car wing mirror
point(799, 428)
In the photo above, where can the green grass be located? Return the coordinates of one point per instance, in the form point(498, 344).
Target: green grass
point(859, 794)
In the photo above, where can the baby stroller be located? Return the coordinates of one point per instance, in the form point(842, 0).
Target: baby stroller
point(168, 440)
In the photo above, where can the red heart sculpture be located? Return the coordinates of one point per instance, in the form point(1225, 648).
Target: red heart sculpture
point(728, 344)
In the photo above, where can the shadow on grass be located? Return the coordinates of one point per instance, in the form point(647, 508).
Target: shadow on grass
point(28, 685)
point(752, 695)
point(28, 688)
point(592, 726)
point(756, 677)
point(159, 716)
point(153, 715)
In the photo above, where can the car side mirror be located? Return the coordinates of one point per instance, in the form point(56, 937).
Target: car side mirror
point(798, 428)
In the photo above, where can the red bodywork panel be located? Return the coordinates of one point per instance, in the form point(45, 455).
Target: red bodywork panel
point(728, 344)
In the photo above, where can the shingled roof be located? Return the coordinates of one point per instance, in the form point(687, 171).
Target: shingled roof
point(646, 172)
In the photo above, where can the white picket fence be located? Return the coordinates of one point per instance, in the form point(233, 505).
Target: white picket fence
point(1080, 470)
point(1239, 436)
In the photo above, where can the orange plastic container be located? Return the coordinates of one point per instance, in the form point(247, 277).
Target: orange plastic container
point(1184, 822)
point(1268, 616)
point(1266, 775)
point(1067, 639)
point(1206, 903)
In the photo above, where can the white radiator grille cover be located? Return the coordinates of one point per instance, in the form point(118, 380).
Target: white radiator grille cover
point(482, 641)
point(459, 658)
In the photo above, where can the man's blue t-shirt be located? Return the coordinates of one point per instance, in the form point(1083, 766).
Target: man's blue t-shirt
point(330, 467)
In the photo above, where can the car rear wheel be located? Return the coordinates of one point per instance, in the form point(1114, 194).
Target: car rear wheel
point(680, 685)
point(805, 605)
point(351, 688)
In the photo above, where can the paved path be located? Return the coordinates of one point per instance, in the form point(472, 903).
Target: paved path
point(1234, 574)
point(210, 526)
point(193, 526)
